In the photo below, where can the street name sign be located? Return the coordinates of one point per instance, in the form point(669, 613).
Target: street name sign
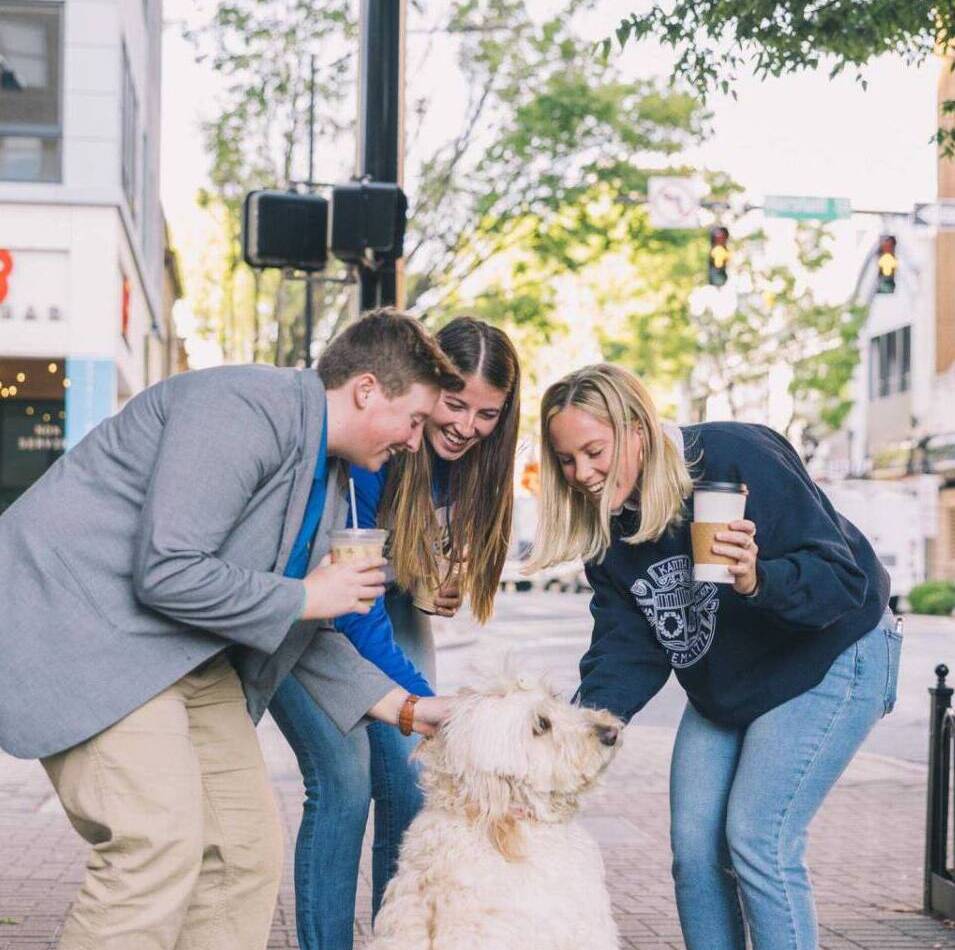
point(939, 214)
point(806, 208)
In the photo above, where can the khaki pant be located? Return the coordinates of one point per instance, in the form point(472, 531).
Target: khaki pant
point(187, 844)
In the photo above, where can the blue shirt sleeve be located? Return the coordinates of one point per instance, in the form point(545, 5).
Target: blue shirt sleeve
point(372, 634)
point(369, 487)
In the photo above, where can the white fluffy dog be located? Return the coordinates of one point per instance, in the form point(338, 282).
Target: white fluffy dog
point(494, 861)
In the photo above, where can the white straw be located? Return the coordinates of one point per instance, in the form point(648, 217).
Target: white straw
point(354, 507)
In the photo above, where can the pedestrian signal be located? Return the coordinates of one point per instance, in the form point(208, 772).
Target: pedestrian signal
point(285, 229)
point(719, 255)
point(887, 264)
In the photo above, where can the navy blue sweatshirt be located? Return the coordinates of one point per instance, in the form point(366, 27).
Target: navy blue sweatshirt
point(821, 588)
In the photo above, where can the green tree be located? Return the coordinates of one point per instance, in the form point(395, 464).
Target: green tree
point(549, 131)
point(714, 40)
point(766, 319)
point(261, 50)
point(549, 137)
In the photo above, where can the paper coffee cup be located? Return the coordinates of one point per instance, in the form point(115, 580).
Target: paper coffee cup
point(715, 505)
point(357, 546)
point(425, 593)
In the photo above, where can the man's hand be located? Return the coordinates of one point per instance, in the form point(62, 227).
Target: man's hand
point(332, 590)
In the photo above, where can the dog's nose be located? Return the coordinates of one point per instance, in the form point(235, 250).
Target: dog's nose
point(608, 734)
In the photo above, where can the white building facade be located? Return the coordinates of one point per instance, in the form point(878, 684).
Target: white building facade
point(82, 246)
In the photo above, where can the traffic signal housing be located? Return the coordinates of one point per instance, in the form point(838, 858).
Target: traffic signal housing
point(367, 217)
point(887, 264)
point(285, 229)
point(719, 256)
point(364, 223)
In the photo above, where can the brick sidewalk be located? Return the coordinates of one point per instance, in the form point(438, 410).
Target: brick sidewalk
point(866, 852)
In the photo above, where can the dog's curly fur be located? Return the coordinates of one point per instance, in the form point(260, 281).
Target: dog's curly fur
point(494, 860)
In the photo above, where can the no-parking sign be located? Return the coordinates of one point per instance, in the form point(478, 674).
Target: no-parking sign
point(674, 202)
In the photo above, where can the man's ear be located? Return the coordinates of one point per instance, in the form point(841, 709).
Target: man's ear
point(362, 387)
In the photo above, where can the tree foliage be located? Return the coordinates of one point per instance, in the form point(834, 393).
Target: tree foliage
point(261, 50)
point(530, 214)
point(768, 326)
point(548, 128)
point(714, 40)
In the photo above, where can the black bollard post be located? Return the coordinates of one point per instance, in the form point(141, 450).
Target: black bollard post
point(939, 765)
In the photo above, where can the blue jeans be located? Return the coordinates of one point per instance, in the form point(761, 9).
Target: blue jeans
point(342, 774)
point(741, 800)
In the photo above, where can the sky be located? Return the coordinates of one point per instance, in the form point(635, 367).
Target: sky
point(798, 135)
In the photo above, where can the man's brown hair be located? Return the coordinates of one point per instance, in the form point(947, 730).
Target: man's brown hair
point(395, 348)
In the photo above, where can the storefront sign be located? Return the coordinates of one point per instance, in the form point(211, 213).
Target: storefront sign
point(33, 287)
point(6, 266)
point(45, 437)
point(31, 440)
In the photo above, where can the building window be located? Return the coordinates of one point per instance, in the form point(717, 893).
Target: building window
point(130, 118)
point(890, 363)
point(31, 133)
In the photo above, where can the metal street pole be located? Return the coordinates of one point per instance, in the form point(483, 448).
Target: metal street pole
point(381, 127)
point(309, 286)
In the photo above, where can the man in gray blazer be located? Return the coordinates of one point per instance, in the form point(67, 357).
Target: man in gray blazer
point(158, 583)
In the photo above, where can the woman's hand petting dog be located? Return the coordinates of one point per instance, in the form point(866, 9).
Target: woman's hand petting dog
point(740, 543)
point(430, 712)
point(332, 590)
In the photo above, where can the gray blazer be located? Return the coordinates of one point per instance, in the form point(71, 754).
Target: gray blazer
point(159, 541)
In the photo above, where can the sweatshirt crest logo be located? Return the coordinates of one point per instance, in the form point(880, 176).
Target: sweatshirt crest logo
point(681, 611)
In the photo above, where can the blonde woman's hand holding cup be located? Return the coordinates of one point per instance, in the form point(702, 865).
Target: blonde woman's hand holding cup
point(739, 543)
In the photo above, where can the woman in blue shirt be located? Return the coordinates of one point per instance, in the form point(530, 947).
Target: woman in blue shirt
point(450, 508)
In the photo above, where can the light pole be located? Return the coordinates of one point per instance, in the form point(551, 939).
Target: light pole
point(381, 129)
point(309, 286)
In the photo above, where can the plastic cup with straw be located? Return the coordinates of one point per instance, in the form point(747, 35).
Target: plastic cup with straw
point(357, 545)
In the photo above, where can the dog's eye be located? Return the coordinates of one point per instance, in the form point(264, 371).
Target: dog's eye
point(541, 725)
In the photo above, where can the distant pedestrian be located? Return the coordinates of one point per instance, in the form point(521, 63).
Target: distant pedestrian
point(786, 669)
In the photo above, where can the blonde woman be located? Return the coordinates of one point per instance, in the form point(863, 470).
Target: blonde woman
point(448, 503)
point(786, 670)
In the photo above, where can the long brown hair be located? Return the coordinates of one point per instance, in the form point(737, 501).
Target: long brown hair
point(481, 482)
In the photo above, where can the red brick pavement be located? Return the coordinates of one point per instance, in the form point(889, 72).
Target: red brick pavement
point(865, 853)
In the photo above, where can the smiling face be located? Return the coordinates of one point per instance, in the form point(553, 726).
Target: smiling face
point(583, 446)
point(460, 420)
point(388, 426)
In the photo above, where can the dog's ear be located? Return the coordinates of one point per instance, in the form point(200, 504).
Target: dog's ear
point(502, 814)
point(507, 837)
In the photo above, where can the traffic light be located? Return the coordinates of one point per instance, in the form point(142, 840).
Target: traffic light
point(887, 263)
point(719, 255)
point(285, 229)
